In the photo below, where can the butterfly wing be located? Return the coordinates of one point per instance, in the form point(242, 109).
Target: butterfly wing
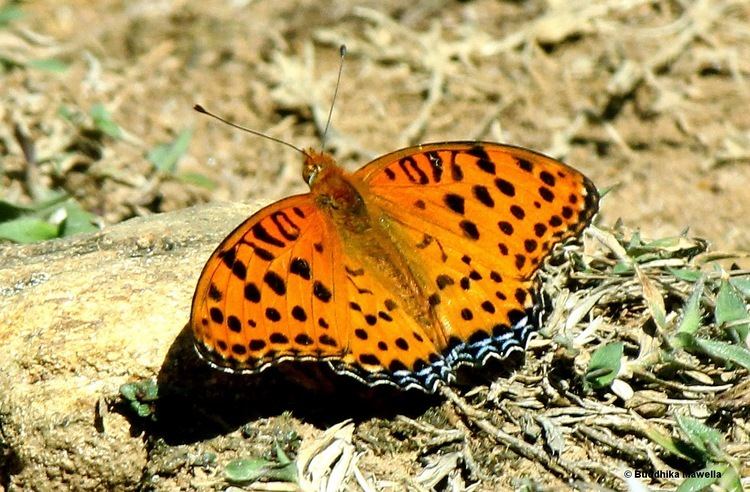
point(281, 287)
point(475, 221)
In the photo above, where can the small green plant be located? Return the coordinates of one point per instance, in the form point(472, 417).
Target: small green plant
point(604, 365)
point(166, 156)
point(103, 121)
point(57, 216)
point(9, 13)
point(244, 471)
point(719, 470)
point(141, 396)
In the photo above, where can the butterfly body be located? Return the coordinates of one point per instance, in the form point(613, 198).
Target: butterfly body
point(421, 261)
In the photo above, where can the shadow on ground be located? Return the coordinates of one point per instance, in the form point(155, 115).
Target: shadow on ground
point(197, 402)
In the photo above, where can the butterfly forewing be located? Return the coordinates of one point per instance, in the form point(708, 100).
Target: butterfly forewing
point(257, 301)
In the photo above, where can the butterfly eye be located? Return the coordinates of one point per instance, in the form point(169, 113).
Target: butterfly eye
point(310, 172)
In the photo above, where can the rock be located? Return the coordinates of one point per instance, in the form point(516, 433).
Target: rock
point(78, 318)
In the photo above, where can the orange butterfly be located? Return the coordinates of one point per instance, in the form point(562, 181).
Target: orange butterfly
point(421, 261)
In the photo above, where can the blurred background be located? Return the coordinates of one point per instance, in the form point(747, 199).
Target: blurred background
point(649, 98)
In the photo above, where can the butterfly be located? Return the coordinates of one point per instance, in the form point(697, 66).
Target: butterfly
point(420, 262)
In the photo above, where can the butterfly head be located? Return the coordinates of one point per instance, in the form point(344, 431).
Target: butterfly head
point(315, 162)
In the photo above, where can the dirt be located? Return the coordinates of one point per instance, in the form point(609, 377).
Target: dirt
point(647, 98)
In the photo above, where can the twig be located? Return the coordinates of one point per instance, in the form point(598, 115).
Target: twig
point(560, 467)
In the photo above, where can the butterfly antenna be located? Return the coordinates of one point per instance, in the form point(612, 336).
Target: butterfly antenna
point(342, 52)
point(203, 110)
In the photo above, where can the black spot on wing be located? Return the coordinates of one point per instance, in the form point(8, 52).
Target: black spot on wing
point(454, 202)
point(369, 359)
point(239, 270)
point(546, 194)
point(301, 267)
point(261, 234)
point(505, 187)
point(506, 227)
point(524, 165)
point(354, 272)
point(321, 291)
point(426, 241)
point(303, 339)
point(214, 293)
point(436, 163)
point(483, 195)
point(547, 178)
point(216, 315)
point(456, 172)
point(261, 253)
point(287, 227)
point(275, 282)
point(483, 160)
point(252, 293)
point(409, 164)
point(470, 229)
point(228, 257)
point(233, 323)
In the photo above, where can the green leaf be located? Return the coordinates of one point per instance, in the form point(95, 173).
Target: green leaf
point(103, 121)
point(48, 65)
point(635, 242)
point(669, 443)
point(68, 114)
point(691, 318)
point(77, 220)
point(164, 157)
point(285, 473)
point(703, 479)
point(143, 410)
point(742, 284)
point(685, 274)
point(730, 308)
point(604, 365)
point(10, 211)
point(198, 180)
point(9, 13)
point(723, 351)
point(622, 267)
point(245, 470)
point(140, 396)
point(128, 391)
point(702, 437)
point(654, 300)
point(27, 230)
